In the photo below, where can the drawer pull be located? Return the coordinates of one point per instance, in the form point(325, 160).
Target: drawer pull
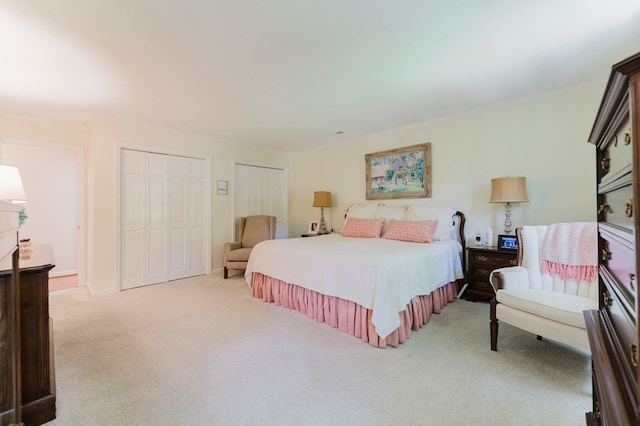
point(607, 299)
point(633, 349)
point(615, 140)
point(482, 258)
point(603, 207)
point(627, 138)
point(628, 208)
point(606, 255)
point(605, 163)
point(632, 280)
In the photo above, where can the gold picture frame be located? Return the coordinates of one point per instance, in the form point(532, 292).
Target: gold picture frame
point(399, 173)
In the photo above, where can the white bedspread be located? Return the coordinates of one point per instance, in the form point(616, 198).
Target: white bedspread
point(379, 274)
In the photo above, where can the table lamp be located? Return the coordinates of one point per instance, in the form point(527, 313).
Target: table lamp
point(508, 190)
point(322, 199)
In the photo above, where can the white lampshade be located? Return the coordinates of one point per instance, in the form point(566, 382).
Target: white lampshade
point(508, 190)
point(11, 188)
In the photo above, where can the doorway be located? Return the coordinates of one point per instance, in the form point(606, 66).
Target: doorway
point(53, 178)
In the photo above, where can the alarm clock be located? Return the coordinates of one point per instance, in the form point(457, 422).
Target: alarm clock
point(507, 242)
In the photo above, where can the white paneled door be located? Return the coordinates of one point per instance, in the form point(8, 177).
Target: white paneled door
point(163, 218)
point(261, 190)
point(187, 221)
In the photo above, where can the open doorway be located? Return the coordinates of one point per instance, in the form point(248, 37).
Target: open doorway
point(53, 178)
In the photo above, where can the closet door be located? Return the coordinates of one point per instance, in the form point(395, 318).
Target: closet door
point(144, 218)
point(261, 190)
point(187, 177)
point(163, 218)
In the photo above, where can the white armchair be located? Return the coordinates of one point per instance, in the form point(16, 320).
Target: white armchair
point(545, 305)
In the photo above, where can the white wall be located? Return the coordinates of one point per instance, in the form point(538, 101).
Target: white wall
point(106, 137)
point(101, 139)
point(543, 139)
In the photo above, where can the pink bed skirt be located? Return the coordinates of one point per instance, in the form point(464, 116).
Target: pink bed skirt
point(349, 316)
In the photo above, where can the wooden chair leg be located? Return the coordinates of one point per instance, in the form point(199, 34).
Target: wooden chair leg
point(226, 273)
point(494, 325)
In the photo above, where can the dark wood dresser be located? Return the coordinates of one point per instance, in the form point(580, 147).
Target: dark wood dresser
point(36, 344)
point(10, 412)
point(612, 329)
point(483, 260)
point(28, 379)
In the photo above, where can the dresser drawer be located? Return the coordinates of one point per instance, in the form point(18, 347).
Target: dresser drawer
point(618, 258)
point(621, 323)
point(615, 202)
point(618, 152)
point(492, 260)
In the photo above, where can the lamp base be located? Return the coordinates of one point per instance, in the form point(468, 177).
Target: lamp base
point(322, 228)
point(507, 218)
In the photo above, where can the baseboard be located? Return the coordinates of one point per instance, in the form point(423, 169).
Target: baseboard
point(94, 292)
point(63, 273)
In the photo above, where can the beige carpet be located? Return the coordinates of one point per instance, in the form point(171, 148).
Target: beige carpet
point(201, 351)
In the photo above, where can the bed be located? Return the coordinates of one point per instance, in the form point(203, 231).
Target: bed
point(376, 289)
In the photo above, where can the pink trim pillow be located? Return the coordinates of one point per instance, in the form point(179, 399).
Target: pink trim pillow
point(363, 228)
point(414, 231)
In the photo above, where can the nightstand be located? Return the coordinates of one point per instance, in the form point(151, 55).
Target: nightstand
point(483, 260)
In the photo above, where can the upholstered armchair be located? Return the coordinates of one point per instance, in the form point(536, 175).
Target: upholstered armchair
point(535, 297)
point(250, 231)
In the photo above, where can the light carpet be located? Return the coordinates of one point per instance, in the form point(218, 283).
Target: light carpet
point(202, 351)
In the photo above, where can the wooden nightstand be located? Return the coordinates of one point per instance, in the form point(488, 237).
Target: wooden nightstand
point(483, 260)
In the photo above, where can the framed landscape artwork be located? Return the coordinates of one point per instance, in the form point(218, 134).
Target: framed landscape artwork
point(399, 173)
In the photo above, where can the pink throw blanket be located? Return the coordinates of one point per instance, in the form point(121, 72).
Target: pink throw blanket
point(570, 250)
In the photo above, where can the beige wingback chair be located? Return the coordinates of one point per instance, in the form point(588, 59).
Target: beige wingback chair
point(545, 305)
point(250, 231)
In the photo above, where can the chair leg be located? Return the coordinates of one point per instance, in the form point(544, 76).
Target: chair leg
point(494, 325)
point(226, 273)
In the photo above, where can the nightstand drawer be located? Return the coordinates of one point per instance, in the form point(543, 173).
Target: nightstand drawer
point(498, 259)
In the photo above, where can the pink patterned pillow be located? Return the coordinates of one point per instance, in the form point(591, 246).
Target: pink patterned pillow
point(363, 228)
point(415, 231)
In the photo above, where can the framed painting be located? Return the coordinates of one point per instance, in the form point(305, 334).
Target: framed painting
point(399, 173)
point(222, 187)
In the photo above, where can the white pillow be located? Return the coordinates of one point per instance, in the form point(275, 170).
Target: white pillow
point(445, 229)
point(363, 211)
point(390, 212)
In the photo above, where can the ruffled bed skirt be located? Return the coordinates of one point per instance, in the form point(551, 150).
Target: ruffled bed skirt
point(349, 316)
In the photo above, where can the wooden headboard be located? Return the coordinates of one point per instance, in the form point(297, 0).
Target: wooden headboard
point(459, 221)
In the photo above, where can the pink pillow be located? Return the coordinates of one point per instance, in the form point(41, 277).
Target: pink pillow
point(415, 231)
point(363, 228)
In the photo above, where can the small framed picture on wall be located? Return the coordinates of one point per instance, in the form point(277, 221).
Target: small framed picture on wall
point(222, 187)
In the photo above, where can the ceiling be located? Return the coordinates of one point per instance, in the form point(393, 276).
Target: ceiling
point(294, 74)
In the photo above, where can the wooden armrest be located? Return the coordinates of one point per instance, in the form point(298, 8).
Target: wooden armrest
point(497, 280)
